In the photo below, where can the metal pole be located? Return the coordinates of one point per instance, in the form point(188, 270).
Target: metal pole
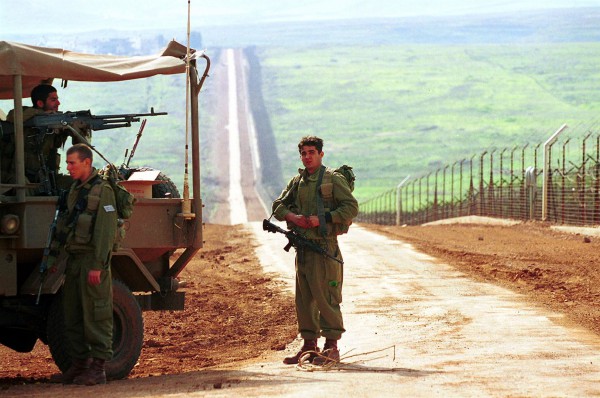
point(399, 200)
point(546, 171)
point(19, 137)
point(481, 187)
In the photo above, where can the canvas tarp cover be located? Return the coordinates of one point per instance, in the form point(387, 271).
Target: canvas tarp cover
point(39, 64)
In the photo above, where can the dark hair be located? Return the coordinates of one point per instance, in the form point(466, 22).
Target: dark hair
point(41, 93)
point(82, 150)
point(311, 140)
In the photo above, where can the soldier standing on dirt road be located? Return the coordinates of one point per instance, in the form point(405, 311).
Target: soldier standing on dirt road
point(318, 278)
point(88, 229)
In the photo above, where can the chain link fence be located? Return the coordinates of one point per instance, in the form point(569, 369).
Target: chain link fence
point(556, 181)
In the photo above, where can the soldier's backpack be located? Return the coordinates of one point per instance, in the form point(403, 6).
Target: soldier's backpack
point(348, 174)
point(124, 199)
point(326, 198)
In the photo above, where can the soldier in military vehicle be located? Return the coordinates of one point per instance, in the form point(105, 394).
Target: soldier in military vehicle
point(42, 160)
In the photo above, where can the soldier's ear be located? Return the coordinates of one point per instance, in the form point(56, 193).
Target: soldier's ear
point(39, 104)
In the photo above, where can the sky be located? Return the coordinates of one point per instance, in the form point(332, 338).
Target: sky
point(35, 17)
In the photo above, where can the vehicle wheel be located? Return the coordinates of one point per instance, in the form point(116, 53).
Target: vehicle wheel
point(128, 333)
point(18, 339)
point(55, 333)
point(165, 189)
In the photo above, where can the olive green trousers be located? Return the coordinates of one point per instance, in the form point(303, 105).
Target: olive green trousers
point(88, 310)
point(319, 283)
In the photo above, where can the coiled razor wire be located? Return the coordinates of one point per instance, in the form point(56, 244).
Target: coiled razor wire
point(305, 365)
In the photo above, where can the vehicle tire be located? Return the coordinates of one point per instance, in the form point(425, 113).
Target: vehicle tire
point(18, 339)
point(55, 334)
point(166, 188)
point(128, 333)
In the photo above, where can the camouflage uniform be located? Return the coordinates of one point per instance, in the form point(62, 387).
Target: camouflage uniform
point(49, 145)
point(319, 279)
point(88, 244)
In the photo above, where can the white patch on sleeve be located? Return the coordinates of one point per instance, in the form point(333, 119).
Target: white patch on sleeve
point(109, 208)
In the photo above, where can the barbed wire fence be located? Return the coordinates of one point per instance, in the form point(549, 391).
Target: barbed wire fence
point(556, 181)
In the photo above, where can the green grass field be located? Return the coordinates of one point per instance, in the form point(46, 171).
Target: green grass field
point(398, 110)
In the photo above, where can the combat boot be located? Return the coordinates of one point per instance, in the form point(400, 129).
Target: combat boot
point(330, 354)
point(309, 346)
point(95, 374)
point(78, 366)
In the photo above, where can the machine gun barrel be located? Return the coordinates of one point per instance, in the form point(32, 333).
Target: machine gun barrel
point(297, 240)
point(86, 119)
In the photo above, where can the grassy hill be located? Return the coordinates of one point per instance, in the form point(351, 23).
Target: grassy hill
point(397, 110)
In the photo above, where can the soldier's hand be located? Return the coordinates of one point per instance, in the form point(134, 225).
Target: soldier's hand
point(314, 221)
point(94, 277)
point(296, 219)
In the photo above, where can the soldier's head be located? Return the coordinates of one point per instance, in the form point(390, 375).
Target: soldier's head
point(311, 140)
point(79, 162)
point(311, 152)
point(45, 97)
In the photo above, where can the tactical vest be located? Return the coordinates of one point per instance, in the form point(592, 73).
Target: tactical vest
point(326, 194)
point(78, 229)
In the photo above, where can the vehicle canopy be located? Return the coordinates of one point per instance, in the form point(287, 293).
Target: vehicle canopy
point(40, 64)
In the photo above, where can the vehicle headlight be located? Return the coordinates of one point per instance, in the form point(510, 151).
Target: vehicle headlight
point(9, 224)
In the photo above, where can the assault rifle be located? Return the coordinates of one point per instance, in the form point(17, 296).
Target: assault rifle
point(85, 120)
point(297, 240)
point(48, 252)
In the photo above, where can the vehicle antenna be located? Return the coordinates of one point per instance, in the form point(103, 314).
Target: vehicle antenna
point(186, 207)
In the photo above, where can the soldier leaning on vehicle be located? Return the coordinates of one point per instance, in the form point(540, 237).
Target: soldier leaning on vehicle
point(87, 232)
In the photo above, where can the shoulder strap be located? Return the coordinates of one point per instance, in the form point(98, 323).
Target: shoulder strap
point(292, 192)
point(320, 206)
point(93, 197)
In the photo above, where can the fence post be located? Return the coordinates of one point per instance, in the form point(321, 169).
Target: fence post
point(491, 196)
point(546, 170)
point(481, 185)
point(435, 204)
point(523, 189)
point(530, 186)
point(563, 179)
point(597, 183)
point(583, 178)
point(427, 197)
point(399, 200)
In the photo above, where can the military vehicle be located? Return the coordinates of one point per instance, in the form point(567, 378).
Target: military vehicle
point(145, 269)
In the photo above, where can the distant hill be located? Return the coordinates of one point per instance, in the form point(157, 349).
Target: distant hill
point(549, 26)
point(542, 26)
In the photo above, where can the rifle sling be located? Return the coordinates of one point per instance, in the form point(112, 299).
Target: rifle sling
point(320, 206)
